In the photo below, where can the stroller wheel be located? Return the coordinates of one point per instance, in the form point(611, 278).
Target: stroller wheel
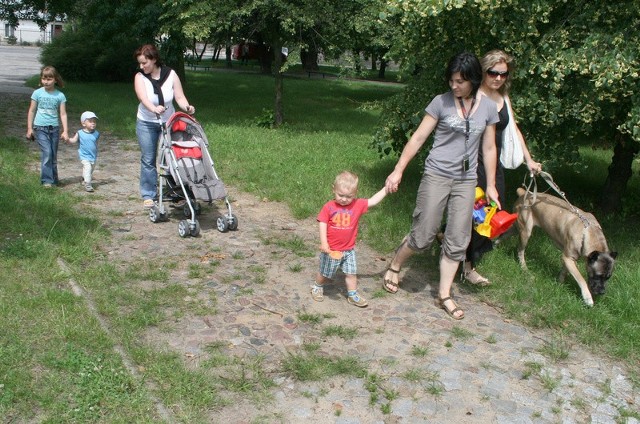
point(233, 223)
point(154, 214)
point(183, 228)
point(195, 229)
point(222, 224)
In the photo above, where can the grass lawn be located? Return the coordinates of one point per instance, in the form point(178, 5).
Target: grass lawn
point(329, 125)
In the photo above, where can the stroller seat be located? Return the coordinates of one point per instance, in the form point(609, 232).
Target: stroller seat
point(195, 168)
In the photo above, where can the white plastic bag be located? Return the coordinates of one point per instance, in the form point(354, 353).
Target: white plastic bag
point(512, 155)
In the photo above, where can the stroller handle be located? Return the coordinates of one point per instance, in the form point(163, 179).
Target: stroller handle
point(163, 125)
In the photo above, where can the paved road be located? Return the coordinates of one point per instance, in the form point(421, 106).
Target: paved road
point(18, 64)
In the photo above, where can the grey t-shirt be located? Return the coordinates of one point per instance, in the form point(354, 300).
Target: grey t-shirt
point(448, 151)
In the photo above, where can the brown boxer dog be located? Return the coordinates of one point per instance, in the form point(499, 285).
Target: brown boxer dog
point(575, 232)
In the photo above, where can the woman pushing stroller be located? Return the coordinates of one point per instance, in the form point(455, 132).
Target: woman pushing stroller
point(156, 86)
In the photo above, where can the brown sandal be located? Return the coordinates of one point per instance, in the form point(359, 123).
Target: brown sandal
point(451, 312)
point(386, 283)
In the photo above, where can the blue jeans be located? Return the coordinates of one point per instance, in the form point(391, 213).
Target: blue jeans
point(48, 138)
point(148, 135)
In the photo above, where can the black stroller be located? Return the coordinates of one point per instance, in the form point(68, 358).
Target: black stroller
point(188, 173)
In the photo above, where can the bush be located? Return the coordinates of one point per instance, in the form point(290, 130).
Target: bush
point(78, 57)
point(12, 40)
point(403, 113)
point(72, 54)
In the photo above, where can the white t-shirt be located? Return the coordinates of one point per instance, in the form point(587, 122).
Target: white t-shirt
point(145, 114)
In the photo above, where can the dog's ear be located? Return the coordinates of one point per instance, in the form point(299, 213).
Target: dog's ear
point(613, 254)
point(593, 256)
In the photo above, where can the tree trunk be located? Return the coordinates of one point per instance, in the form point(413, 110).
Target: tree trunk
point(619, 174)
point(309, 59)
point(357, 63)
point(204, 49)
point(266, 59)
point(227, 52)
point(374, 60)
point(265, 55)
point(383, 67)
point(172, 51)
point(278, 116)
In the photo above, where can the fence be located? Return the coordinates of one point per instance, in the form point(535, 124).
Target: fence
point(29, 33)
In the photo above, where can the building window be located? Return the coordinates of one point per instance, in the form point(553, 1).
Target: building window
point(9, 30)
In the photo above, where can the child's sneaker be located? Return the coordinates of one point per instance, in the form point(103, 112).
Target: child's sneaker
point(317, 293)
point(357, 300)
point(88, 188)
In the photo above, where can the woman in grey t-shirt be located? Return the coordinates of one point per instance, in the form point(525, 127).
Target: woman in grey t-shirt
point(463, 122)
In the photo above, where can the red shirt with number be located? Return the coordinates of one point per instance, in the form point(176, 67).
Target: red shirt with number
point(342, 222)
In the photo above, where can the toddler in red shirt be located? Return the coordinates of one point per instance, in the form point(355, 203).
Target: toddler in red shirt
point(338, 223)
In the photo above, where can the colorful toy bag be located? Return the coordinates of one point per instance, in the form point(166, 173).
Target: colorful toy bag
point(488, 221)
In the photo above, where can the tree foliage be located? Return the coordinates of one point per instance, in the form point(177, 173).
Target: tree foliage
point(215, 23)
point(101, 39)
point(296, 24)
point(40, 11)
point(576, 76)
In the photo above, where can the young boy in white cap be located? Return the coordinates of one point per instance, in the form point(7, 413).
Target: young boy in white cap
point(88, 146)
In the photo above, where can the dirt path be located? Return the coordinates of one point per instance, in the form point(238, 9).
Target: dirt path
point(261, 287)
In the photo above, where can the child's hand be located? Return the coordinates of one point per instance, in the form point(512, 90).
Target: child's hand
point(30, 136)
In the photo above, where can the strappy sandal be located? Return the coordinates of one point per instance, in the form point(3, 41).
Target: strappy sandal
point(451, 312)
point(473, 277)
point(386, 283)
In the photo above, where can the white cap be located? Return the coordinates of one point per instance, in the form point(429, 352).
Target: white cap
point(87, 115)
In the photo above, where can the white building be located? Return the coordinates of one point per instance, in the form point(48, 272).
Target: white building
point(28, 32)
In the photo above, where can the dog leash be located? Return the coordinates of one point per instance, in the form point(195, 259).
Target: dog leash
point(549, 180)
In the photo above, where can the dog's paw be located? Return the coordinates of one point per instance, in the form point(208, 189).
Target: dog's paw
point(588, 302)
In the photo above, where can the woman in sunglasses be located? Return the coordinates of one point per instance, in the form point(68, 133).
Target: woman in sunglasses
point(496, 66)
